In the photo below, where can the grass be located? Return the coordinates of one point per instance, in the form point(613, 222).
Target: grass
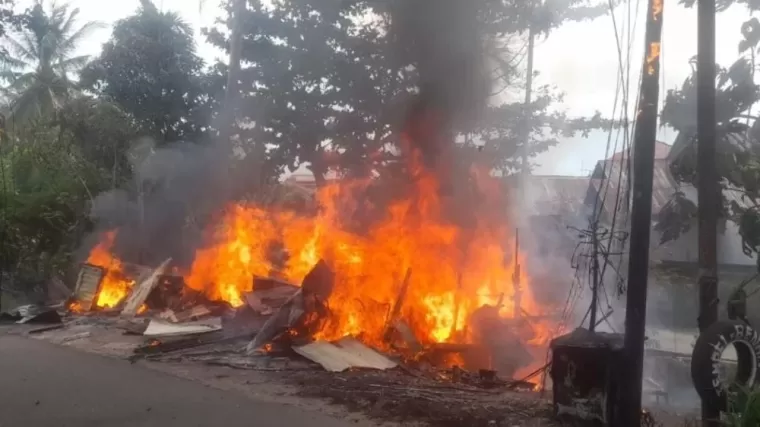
point(744, 408)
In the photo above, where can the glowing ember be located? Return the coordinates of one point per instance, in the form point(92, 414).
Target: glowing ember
point(115, 285)
point(76, 307)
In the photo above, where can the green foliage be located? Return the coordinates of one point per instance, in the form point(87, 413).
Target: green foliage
point(41, 59)
point(330, 85)
point(324, 84)
point(744, 408)
point(738, 145)
point(150, 68)
point(51, 169)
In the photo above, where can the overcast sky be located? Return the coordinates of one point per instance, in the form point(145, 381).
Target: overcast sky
point(580, 59)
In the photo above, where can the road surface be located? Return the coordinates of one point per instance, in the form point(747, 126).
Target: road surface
point(42, 385)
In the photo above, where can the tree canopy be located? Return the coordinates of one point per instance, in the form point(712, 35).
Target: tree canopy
point(328, 82)
point(41, 60)
point(738, 142)
point(151, 69)
point(320, 82)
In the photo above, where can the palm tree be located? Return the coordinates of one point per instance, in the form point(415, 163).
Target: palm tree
point(40, 59)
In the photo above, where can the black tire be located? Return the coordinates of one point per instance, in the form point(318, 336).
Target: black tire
point(705, 360)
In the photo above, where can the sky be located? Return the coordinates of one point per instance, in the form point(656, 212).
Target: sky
point(580, 59)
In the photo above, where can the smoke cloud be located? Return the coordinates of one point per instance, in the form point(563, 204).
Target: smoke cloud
point(175, 190)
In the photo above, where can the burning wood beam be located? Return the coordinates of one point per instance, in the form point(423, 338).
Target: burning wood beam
point(396, 310)
point(140, 293)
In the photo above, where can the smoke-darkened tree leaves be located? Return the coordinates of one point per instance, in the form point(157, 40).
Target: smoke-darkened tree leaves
point(751, 33)
point(676, 217)
point(749, 229)
point(735, 93)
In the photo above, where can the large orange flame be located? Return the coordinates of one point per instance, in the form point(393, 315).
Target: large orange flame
point(115, 285)
point(454, 270)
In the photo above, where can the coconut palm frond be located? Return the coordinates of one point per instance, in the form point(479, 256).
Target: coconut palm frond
point(73, 64)
point(13, 64)
point(45, 50)
point(74, 39)
point(22, 52)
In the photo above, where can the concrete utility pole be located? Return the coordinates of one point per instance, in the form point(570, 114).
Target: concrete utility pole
point(707, 184)
point(645, 134)
point(595, 271)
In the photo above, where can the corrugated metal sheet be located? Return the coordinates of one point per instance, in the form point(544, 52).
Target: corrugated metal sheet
point(160, 328)
point(345, 354)
point(663, 185)
point(731, 143)
point(661, 151)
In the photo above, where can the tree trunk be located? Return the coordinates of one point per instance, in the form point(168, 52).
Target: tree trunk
point(227, 120)
point(319, 170)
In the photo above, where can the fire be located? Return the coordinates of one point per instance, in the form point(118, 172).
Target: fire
point(115, 285)
point(454, 270)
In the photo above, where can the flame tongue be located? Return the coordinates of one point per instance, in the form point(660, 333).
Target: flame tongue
point(455, 269)
point(115, 285)
point(457, 266)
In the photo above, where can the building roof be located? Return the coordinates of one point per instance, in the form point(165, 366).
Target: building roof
point(735, 142)
point(664, 185)
point(661, 151)
point(555, 195)
point(611, 177)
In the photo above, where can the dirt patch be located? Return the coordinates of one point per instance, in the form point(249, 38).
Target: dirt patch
point(402, 398)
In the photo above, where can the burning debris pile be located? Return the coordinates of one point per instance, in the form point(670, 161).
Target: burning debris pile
point(425, 287)
point(415, 270)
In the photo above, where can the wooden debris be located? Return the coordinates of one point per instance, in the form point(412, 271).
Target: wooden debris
point(46, 328)
point(396, 310)
point(285, 317)
point(88, 285)
point(319, 282)
point(195, 313)
point(167, 293)
point(162, 328)
point(269, 294)
point(402, 338)
point(141, 291)
point(168, 345)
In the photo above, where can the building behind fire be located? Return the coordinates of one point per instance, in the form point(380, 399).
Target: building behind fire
point(555, 208)
point(560, 202)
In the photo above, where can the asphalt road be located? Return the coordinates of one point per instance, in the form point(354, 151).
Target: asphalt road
point(42, 385)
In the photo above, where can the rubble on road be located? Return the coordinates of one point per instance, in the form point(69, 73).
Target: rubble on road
point(87, 286)
point(32, 313)
point(140, 293)
point(343, 355)
point(158, 328)
point(401, 397)
point(275, 331)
